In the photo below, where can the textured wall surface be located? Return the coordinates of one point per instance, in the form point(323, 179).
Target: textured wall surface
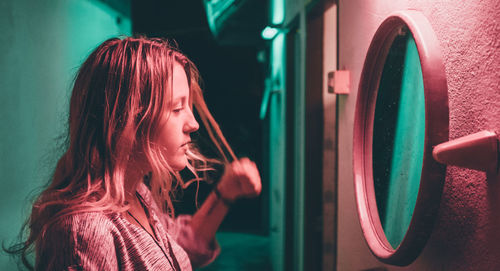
point(42, 44)
point(465, 235)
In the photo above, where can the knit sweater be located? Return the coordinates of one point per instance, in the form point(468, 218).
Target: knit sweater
point(101, 241)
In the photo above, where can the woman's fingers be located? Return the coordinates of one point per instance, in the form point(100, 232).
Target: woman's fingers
point(250, 178)
point(242, 179)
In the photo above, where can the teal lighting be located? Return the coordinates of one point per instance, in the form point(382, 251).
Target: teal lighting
point(399, 138)
point(277, 11)
point(269, 33)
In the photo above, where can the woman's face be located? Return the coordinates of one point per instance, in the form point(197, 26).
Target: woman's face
point(178, 122)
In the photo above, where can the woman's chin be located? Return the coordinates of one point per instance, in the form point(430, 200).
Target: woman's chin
point(180, 164)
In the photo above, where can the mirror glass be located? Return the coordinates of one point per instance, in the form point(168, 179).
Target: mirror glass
point(398, 137)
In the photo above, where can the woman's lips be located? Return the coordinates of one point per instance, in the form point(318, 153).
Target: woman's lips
point(185, 146)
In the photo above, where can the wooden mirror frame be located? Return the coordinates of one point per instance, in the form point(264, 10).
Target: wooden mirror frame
point(436, 131)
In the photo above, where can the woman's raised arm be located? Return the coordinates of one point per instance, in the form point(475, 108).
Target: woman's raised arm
point(241, 179)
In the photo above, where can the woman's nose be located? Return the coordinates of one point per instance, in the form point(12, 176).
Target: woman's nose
point(191, 124)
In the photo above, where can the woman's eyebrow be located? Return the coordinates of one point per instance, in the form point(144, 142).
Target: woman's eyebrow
point(181, 99)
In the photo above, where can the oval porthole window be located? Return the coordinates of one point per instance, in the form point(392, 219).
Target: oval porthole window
point(398, 137)
point(401, 114)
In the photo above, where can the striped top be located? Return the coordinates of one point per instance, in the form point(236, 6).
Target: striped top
point(99, 241)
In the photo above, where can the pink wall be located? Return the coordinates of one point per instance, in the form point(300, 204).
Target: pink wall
point(465, 236)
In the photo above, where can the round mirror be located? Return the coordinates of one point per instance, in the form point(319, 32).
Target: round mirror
point(398, 137)
point(401, 113)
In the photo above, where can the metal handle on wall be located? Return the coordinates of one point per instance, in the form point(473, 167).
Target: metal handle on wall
point(265, 99)
point(478, 151)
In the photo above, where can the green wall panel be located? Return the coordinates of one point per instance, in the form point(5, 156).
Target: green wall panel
point(42, 43)
point(277, 138)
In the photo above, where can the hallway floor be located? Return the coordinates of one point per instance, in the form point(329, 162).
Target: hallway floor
point(241, 252)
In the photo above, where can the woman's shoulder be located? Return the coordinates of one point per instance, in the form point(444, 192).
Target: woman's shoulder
point(84, 225)
point(76, 238)
point(87, 219)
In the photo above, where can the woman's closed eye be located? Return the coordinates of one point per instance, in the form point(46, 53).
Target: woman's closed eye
point(178, 109)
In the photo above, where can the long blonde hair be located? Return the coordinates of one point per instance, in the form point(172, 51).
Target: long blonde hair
point(118, 98)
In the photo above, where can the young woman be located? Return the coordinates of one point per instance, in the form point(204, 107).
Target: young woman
point(109, 204)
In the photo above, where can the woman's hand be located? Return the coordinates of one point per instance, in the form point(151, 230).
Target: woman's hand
point(241, 179)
